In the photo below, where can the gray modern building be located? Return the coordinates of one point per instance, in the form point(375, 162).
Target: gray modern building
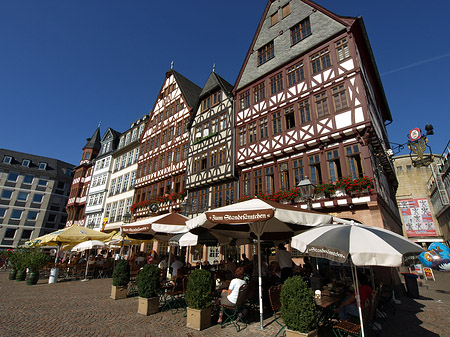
point(33, 195)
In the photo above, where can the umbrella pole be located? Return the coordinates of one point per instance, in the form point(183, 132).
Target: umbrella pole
point(260, 284)
point(87, 265)
point(358, 301)
point(168, 262)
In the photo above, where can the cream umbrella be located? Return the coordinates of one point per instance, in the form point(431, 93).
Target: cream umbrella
point(362, 245)
point(258, 219)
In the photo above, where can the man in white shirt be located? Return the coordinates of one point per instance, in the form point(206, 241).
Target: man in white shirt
point(177, 264)
point(284, 259)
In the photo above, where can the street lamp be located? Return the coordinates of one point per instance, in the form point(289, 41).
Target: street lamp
point(307, 189)
point(186, 207)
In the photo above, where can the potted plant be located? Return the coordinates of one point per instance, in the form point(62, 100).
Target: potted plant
point(21, 265)
point(148, 286)
point(199, 298)
point(35, 260)
point(298, 308)
point(10, 258)
point(121, 277)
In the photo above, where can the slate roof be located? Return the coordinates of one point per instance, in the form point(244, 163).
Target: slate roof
point(189, 89)
point(94, 141)
point(216, 81)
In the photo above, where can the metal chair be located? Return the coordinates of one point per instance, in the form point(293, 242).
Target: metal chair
point(232, 313)
point(275, 303)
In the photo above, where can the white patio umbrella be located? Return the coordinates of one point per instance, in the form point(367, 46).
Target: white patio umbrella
point(88, 245)
point(366, 246)
point(161, 227)
point(260, 219)
point(207, 238)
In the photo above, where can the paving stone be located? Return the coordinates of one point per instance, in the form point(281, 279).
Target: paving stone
point(82, 309)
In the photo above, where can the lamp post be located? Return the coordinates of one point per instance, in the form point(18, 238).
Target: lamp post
point(307, 188)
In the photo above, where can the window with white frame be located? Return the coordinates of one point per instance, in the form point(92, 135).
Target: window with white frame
point(32, 215)
point(22, 196)
point(12, 176)
point(2, 212)
point(42, 166)
point(26, 163)
point(6, 194)
point(16, 214)
point(7, 160)
point(125, 182)
point(130, 158)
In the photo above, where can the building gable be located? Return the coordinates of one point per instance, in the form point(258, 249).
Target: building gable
point(276, 24)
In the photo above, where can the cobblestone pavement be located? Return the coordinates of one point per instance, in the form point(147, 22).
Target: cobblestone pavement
point(78, 308)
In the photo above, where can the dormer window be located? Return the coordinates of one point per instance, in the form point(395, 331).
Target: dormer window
point(26, 163)
point(7, 160)
point(134, 135)
point(42, 166)
point(266, 53)
point(121, 142)
point(300, 31)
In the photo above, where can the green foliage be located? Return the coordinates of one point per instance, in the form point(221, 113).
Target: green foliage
point(198, 291)
point(19, 260)
point(121, 274)
point(147, 281)
point(298, 309)
point(35, 259)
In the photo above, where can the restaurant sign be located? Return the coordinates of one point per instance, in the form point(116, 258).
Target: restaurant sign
point(240, 217)
point(327, 253)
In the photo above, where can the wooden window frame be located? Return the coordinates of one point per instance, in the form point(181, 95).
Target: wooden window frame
point(320, 60)
point(334, 165)
point(252, 138)
point(259, 92)
point(295, 74)
point(342, 49)
point(340, 99)
point(300, 31)
point(289, 117)
point(263, 128)
point(321, 103)
point(285, 10)
point(277, 127)
point(276, 83)
point(266, 53)
point(274, 18)
point(244, 100)
point(304, 109)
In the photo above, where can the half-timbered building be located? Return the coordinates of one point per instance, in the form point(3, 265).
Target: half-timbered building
point(210, 171)
point(95, 201)
point(164, 146)
point(82, 177)
point(309, 102)
point(120, 191)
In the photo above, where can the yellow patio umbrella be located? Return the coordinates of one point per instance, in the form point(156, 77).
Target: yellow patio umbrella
point(73, 234)
point(116, 240)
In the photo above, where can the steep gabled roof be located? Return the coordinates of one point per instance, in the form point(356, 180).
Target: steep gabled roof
point(340, 20)
point(189, 89)
point(214, 82)
point(94, 141)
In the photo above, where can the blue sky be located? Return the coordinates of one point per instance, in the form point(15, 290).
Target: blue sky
point(67, 65)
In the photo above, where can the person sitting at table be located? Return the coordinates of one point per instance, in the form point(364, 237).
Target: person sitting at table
point(348, 307)
point(229, 296)
point(140, 259)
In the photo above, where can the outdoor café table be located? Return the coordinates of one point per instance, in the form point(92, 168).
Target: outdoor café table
point(325, 305)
